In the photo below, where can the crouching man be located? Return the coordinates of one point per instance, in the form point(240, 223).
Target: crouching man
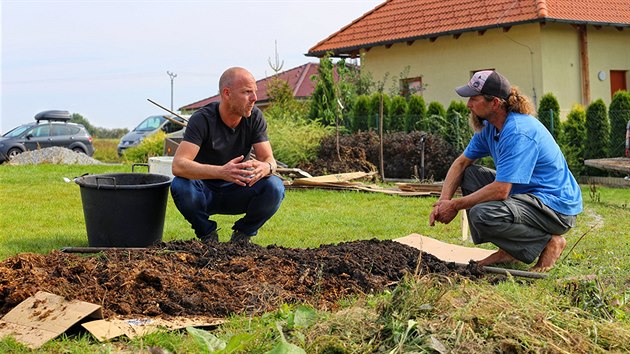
point(214, 173)
point(531, 200)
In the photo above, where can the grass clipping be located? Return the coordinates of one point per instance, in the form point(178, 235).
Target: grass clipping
point(440, 314)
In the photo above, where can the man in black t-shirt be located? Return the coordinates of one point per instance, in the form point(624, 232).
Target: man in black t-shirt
point(214, 172)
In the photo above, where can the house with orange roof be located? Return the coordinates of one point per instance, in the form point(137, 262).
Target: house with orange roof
point(579, 50)
point(298, 79)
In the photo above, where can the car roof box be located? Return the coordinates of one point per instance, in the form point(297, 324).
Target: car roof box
point(53, 115)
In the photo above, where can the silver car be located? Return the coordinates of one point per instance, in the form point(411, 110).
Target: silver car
point(51, 128)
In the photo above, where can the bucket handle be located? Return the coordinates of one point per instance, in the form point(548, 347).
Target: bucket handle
point(108, 178)
point(139, 164)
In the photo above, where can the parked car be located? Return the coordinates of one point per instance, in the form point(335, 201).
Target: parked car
point(51, 128)
point(150, 125)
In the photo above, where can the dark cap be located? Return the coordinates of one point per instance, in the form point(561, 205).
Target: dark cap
point(487, 82)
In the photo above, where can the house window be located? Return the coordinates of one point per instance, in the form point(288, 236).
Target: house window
point(411, 86)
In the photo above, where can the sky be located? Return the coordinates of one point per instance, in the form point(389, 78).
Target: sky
point(105, 59)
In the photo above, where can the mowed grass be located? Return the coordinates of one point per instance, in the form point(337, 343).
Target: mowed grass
point(582, 307)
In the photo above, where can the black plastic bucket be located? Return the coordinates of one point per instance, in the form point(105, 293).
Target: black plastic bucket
point(124, 209)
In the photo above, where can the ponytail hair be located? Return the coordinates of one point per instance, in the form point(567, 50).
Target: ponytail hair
point(519, 103)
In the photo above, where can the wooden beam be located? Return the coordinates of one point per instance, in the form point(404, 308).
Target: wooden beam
point(507, 29)
point(433, 39)
point(457, 35)
point(584, 65)
point(388, 46)
point(481, 33)
point(410, 42)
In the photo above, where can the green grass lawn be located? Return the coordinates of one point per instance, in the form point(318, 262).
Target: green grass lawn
point(40, 212)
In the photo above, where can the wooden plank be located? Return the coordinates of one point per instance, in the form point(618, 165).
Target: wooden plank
point(617, 164)
point(341, 177)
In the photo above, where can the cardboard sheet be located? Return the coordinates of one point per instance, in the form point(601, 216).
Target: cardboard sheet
point(108, 329)
point(444, 251)
point(43, 317)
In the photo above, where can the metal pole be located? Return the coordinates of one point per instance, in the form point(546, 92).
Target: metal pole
point(380, 133)
point(173, 76)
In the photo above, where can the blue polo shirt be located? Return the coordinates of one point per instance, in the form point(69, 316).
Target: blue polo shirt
point(526, 155)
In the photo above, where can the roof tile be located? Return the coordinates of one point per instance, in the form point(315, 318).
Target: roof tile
point(299, 79)
point(405, 20)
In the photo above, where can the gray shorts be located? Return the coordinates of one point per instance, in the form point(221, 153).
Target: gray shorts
point(521, 225)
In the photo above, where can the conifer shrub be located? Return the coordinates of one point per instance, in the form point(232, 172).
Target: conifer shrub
point(597, 134)
point(360, 113)
point(398, 112)
point(458, 132)
point(436, 119)
point(375, 100)
point(619, 112)
point(573, 139)
point(549, 114)
point(416, 113)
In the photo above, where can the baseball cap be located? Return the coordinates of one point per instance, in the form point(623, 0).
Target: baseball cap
point(486, 82)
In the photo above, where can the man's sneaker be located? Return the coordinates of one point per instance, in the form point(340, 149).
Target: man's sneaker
point(240, 237)
point(212, 237)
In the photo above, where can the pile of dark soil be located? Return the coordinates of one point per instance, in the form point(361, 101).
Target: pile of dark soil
point(350, 159)
point(188, 278)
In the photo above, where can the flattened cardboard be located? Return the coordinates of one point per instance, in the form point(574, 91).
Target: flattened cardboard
point(104, 330)
point(445, 251)
point(43, 317)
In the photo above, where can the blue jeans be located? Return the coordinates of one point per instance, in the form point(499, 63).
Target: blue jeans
point(197, 200)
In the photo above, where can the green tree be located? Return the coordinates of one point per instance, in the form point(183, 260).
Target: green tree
point(282, 103)
point(573, 139)
point(398, 112)
point(619, 112)
point(458, 131)
point(416, 113)
point(79, 119)
point(549, 114)
point(597, 133)
point(324, 104)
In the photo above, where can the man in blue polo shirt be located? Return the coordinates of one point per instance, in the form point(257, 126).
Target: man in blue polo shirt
point(531, 200)
point(214, 172)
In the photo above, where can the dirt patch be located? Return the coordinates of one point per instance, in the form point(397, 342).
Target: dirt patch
point(188, 278)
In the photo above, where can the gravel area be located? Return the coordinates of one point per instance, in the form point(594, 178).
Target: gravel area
point(53, 155)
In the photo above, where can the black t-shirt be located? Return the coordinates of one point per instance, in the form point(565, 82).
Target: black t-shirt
point(219, 143)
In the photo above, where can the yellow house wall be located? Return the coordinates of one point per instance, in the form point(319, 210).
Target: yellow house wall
point(537, 58)
point(608, 49)
point(561, 70)
point(448, 62)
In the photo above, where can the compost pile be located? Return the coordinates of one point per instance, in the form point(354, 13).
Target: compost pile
point(189, 278)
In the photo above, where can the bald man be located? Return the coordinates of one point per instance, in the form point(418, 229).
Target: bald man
point(214, 171)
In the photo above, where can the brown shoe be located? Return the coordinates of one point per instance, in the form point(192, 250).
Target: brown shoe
point(240, 237)
point(212, 237)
